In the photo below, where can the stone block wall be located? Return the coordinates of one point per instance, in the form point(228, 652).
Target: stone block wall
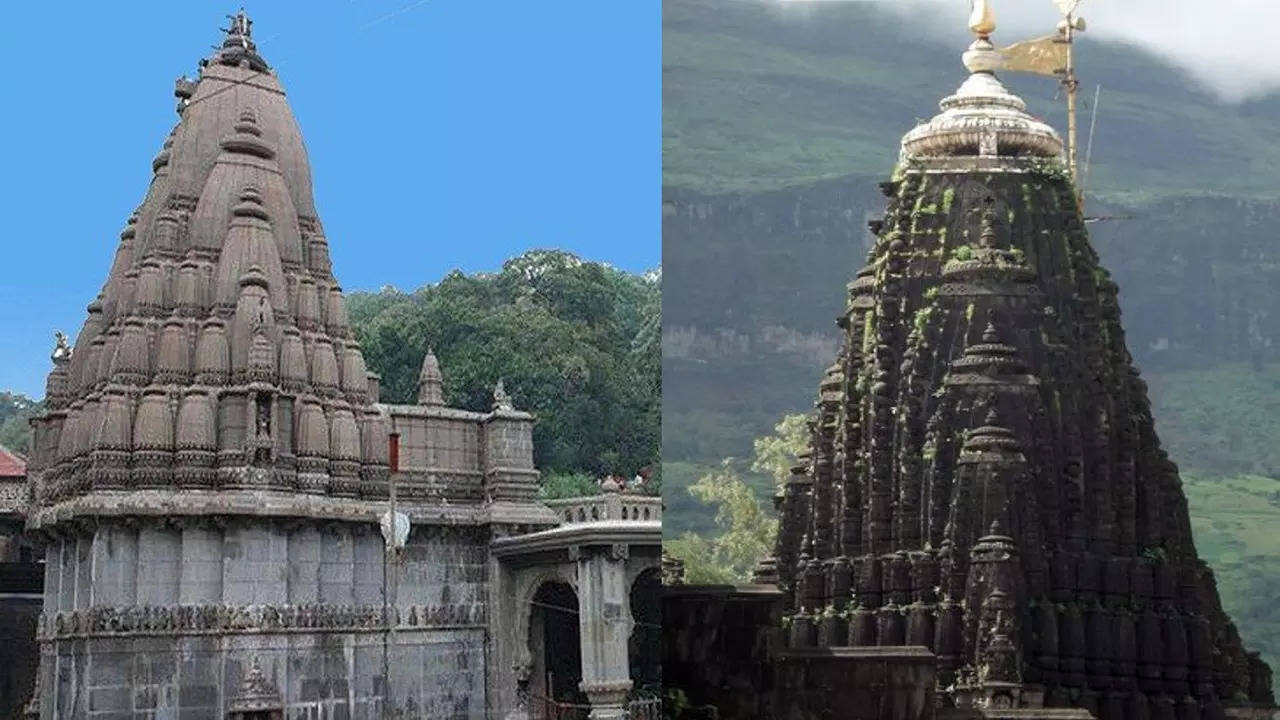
point(19, 653)
point(160, 619)
point(862, 683)
point(438, 442)
point(718, 646)
point(464, 456)
point(722, 646)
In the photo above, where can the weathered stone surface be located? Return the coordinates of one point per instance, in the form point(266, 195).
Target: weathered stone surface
point(213, 465)
point(983, 478)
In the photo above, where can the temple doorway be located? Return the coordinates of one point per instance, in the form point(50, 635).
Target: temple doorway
point(555, 645)
point(644, 648)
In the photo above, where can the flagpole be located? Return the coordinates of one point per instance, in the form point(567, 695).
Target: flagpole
point(1071, 83)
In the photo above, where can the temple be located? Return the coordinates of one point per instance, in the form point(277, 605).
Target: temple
point(985, 524)
point(211, 476)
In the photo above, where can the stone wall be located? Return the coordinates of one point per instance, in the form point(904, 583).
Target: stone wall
point(179, 610)
point(722, 647)
point(718, 643)
point(864, 683)
point(19, 653)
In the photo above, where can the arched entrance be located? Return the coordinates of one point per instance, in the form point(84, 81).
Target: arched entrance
point(556, 652)
point(644, 648)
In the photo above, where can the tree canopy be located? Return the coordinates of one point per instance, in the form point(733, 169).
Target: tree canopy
point(576, 343)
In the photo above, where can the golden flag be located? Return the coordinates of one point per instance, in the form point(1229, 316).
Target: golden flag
point(1042, 56)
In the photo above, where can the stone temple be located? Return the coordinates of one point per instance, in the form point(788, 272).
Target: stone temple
point(985, 524)
point(210, 480)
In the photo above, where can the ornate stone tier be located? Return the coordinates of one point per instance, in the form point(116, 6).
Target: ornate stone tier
point(218, 619)
point(422, 509)
point(608, 506)
point(218, 353)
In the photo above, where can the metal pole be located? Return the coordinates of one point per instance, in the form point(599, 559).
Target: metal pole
point(1071, 83)
point(390, 571)
point(1088, 153)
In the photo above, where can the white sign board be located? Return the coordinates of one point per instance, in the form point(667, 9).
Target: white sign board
point(397, 538)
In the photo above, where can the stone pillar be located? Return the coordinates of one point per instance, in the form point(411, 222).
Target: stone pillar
point(604, 618)
point(508, 456)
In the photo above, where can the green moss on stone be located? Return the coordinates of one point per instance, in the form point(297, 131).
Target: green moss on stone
point(921, 319)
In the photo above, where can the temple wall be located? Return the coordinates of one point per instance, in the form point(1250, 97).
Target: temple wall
point(19, 653)
point(717, 647)
point(722, 647)
point(429, 443)
point(164, 617)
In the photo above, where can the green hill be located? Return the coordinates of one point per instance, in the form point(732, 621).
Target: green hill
point(759, 94)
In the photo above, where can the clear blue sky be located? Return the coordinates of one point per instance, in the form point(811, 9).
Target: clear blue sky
point(442, 134)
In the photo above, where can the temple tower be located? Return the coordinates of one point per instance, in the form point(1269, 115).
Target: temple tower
point(213, 465)
point(984, 477)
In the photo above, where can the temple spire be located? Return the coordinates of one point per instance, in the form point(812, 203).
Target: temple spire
point(430, 381)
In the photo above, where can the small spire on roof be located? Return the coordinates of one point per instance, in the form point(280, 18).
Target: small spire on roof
point(501, 400)
point(430, 381)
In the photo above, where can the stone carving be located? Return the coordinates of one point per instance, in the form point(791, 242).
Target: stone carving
point(257, 694)
point(219, 619)
point(501, 400)
point(61, 351)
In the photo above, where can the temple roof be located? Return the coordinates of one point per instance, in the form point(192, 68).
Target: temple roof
point(12, 465)
point(220, 296)
point(982, 117)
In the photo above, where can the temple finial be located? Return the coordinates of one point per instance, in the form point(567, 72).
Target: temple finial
point(982, 21)
point(239, 28)
point(61, 351)
point(238, 48)
point(982, 57)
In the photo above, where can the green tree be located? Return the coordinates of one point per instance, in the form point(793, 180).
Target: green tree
point(746, 530)
point(777, 453)
point(16, 411)
point(576, 343)
point(555, 487)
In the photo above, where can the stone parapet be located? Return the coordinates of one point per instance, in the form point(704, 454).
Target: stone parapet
point(608, 506)
point(422, 510)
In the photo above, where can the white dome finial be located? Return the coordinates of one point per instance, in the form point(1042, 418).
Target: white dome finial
point(982, 21)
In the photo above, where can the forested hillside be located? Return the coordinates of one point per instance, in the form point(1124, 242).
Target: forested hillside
point(15, 410)
point(576, 343)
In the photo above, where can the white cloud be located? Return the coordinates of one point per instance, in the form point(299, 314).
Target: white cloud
point(1228, 45)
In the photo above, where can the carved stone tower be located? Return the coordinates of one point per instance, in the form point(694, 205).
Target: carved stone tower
point(984, 477)
point(213, 464)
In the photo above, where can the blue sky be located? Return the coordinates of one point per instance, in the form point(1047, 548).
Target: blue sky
point(442, 134)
